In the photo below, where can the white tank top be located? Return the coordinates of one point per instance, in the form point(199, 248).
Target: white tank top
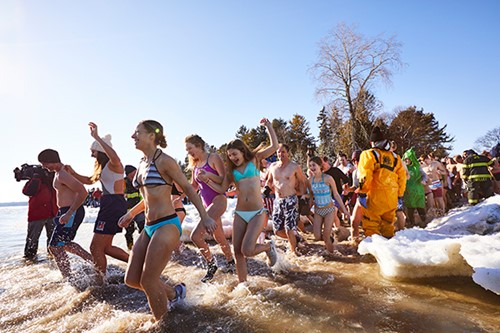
point(108, 179)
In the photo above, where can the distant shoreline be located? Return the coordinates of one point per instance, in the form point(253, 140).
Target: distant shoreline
point(13, 204)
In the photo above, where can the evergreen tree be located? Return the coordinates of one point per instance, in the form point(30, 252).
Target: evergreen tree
point(326, 144)
point(282, 131)
point(243, 134)
point(300, 138)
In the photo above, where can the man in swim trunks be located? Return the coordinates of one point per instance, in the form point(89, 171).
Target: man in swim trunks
point(70, 195)
point(435, 172)
point(287, 179)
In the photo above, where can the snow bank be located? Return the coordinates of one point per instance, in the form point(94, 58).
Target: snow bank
point(466, 242)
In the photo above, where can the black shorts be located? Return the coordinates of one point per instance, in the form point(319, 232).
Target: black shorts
point(113, 206)
point(65, 233)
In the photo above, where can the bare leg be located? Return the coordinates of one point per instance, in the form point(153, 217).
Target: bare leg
point(62, 260)
point(290, 234)
point(400, 220)
point(239, 229)
point(317, 224)
point(215, 211)
point(357, 215)
point(101, 246)
point(157, 256)
point(249, 246)
point(136, 262)
point(75, 248)
point(327, 230)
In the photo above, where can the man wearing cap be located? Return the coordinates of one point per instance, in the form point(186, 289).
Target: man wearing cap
point(70, 195)
point(133, 197)
point(382, 183)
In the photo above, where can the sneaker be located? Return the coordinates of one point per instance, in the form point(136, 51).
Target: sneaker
point(212, 268)
point(230, 267)
point(180, 295)
point(272, 255)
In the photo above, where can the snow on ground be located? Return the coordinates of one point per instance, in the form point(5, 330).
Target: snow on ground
point(466, 242)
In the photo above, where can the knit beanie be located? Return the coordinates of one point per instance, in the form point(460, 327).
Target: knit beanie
point(49, 156)
point(97, 146)
point(129, 169)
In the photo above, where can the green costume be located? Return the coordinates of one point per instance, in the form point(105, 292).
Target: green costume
point(414, 193)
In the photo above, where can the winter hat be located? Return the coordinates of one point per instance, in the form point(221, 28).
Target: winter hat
point(129, 169)
point(377, 135)
point(49, 156)
point(97, 146)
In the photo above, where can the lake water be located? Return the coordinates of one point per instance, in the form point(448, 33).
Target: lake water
point(311, 293)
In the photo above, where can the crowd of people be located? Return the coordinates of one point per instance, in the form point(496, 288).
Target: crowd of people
point(375, 192)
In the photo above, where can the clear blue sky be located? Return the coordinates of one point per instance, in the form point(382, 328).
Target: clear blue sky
point(208, 67)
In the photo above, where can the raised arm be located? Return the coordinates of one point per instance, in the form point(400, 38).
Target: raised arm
point(114, 160)
point(273, 147)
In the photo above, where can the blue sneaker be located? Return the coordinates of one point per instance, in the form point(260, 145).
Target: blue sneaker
point(180, 295)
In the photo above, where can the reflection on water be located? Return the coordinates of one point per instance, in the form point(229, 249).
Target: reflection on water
point(311, 293)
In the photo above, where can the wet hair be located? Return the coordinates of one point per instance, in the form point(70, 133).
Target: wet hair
point(152, 126)
point(248, 154)
point(49, 156)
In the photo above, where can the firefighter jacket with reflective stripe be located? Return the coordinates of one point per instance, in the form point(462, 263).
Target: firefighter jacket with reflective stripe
point(476, 168)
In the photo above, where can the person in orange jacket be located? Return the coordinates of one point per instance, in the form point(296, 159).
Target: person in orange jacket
point(382, 185)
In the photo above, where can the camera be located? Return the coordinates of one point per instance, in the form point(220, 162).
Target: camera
point(27, 171)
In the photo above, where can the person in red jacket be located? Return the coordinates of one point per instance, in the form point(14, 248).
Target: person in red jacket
point(42, 208)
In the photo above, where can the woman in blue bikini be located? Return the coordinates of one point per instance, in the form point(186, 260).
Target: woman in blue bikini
point(155, 175)
point(249, 217)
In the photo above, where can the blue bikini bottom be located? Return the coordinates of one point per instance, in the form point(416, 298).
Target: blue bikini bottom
point(156, 224)
point(247, 215)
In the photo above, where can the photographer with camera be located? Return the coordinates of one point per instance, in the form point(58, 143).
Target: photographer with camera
point(42, 207)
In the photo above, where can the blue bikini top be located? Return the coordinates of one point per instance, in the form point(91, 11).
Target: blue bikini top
point(250, 171)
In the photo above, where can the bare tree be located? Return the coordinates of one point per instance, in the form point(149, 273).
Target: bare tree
point(487, 141)
point(349, 64)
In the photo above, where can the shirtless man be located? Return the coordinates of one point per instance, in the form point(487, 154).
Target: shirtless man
point(435, 172)
point(70, 195)
point(287, 179)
